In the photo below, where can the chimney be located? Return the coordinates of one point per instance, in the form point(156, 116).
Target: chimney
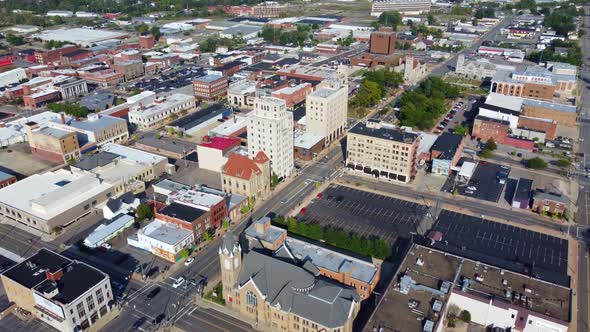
point(54, 276)
point(63, 117)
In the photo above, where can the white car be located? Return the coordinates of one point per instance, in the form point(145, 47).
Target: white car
point(178, 282)
point(106, 246)
point(189, 261)
point(472, 188)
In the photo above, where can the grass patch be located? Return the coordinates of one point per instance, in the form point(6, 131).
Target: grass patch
point(216, 295)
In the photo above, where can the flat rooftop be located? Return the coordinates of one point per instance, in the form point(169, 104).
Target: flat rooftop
point(50, 194)
point(171, 101)
point(194, 119)
point(516, 249)
point(79, 36)
point(383, 132)
point(166, 232)
point(182, 211)
point(208, 78)
point(100, 159)
point(433, 272)
point(198, 199)
point(171, 185)
point(332, 260)
point(135, 155)
point(77, 279)
point(168, 144)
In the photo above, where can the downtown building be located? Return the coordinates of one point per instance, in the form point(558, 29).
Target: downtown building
point(281, 295)
point(270, 130)
point(65, 294)
point(405, 7)
point(326, 110)
point(382, 150)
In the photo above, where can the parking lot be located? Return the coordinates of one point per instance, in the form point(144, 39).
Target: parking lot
point(367, 214)
point(505, 246)
point(484, 183)
point(169, 81)
point(457, 115)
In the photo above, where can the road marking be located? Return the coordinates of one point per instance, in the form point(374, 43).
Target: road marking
point(140, 291)
point(208, 322)
point(223, 319)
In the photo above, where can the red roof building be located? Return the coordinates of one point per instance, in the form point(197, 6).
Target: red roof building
point(244, 176)
point(213, 154)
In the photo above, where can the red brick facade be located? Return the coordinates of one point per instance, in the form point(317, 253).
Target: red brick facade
point(485, 128)
point(544, 125)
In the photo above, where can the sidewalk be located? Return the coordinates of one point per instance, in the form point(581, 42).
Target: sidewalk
point(202, 303)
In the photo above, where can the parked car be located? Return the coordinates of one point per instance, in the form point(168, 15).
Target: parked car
point(469, 192)
point(178, 282)
point(472, 188)
point(106, 246)
point(189, 261)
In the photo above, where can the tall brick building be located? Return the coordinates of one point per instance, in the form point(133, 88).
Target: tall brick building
point(382, 41)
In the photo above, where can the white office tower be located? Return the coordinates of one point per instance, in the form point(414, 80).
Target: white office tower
point(326, 110)
point(270, 129)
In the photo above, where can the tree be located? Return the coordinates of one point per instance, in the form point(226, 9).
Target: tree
point(274, 179)
point(390, 19)
point(14, 40)
point(465, 316)
point(563, 163)
point(460, 130)
point(208, 235)
point(142, 29)
point(171, 131)
point(70, 109)
point(225, 224)
point(536, 163)
point(144, 211)
point(491, 145)
point(155, 31)
point(486, 153)
point(431, 19)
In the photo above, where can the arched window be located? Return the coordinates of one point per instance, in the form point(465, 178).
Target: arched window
point(251, 299)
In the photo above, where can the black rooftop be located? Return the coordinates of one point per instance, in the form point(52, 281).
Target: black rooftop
point(196, 118)
point(508, 247)
point(392, 134)
point(500, 109)
point(448, 144)
point(90, 162)
point(76, 280)
point(230, 65)
point(182, 212)
point(523, 189)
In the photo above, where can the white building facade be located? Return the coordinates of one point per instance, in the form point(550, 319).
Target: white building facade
point(326, 111)
point(270, 129)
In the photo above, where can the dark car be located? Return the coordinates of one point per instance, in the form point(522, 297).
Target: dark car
point(153, 293)
point(159, 318)
point(139, 322)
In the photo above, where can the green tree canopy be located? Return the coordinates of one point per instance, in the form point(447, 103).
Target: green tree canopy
point(144, 212)
point(390, 19)
point(536, 163)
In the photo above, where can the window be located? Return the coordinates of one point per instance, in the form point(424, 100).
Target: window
point(80, 309)
point(99, 296)
point(251, 299)
point(90, 303)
